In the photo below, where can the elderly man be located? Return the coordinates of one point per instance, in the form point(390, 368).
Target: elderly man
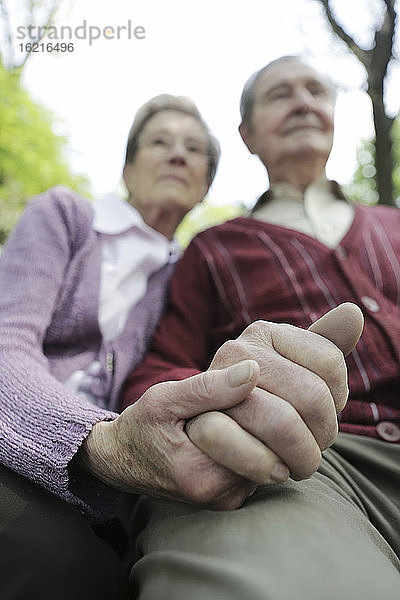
point(303, 250)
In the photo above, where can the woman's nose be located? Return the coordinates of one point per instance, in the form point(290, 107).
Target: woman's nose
point(178, 152)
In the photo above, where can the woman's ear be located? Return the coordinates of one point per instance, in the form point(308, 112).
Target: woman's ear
point(124, 172)
point(128, 177)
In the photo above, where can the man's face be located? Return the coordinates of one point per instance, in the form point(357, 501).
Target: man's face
point(292, 118)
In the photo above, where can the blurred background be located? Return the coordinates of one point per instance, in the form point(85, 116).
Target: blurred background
point(65, 111)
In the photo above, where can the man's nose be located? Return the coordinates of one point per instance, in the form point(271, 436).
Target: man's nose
point(304, 101)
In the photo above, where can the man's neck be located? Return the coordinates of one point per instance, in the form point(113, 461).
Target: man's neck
point(287, 189)
point(299, 178)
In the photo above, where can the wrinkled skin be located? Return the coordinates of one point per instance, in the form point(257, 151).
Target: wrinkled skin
point(264, 410)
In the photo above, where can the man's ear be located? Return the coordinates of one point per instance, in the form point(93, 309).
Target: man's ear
point(246, 135)
point(205, 191)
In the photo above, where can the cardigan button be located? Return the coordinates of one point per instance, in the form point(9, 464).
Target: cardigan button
point(110, 362)
point(370, 303)
point(341, 252)
point(388, 431)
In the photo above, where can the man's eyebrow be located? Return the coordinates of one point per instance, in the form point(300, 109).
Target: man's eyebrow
point(288, 84)
point(277, 86)
point(320, 82)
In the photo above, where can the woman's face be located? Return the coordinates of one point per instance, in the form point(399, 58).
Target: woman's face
point(169, 173)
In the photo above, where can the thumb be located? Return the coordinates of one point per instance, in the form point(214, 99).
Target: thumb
point(342, 325)
point(217, 389)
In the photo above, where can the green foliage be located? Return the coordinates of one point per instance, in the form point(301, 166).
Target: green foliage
point(202, 216)
point(31, 154)
point(363, 187)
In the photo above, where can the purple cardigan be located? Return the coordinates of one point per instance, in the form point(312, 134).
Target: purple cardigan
point(49, 291)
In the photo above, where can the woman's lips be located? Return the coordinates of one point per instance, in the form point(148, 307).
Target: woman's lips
point(174, 178)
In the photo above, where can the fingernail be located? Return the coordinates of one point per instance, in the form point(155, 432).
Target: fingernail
point(279, 473)
point(241, 373)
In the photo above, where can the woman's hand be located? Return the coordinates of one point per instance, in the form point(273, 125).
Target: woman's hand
point(266, 408)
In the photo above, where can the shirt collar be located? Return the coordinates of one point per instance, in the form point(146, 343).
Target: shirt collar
point(114, 215)
point(286, 190)
point(283, 190)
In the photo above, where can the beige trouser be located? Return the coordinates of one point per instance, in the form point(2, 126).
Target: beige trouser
point(334, 536)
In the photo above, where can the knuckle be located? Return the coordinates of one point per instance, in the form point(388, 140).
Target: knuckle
point(329, 435)
point(258, 330)
point(152, 396)
point(252, 343)
point(309, 466)
point(216, 488)
point(203, 429)
point(231, 351)
point(320, 403)
point(319, 412)
point(201, 386)
point(204, 492)
point(223, 498)
point(255, 327)
point(334, 373)
point(334, 365)
point(231, 502)
point(295, 443)
point(285, 420)
point(229, 345)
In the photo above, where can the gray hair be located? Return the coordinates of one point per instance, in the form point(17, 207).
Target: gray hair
point(169, 102)
point(248, 93)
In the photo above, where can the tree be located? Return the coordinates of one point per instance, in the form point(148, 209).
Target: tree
point(376, 61)
point(37, 14)
point(31, 155)
point(363, 187)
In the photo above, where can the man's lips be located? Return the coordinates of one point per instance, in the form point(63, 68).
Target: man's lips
point(302, 127)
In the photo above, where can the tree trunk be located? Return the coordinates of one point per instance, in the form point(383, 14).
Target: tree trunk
point(376, 61)
point(383, 153)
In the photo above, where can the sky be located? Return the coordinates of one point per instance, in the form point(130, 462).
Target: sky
point(205, 49)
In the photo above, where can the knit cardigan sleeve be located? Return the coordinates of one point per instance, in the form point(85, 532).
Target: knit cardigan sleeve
point(41, 424)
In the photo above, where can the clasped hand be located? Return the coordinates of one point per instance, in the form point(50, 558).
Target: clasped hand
point(265, 409)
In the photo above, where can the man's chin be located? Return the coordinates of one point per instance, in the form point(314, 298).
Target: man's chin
point(309, 150)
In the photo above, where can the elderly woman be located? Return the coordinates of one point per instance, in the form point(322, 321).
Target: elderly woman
point(82, 288)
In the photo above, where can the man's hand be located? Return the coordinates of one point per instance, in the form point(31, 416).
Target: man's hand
point(267, 405)
point(292, 411)
point(146, 449)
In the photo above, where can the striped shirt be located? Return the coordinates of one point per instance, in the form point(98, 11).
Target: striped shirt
point(246, 269)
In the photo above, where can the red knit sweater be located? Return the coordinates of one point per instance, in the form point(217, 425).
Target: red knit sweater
point(246, 270)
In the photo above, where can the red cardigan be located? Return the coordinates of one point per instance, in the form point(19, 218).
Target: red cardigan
point(246, 270)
